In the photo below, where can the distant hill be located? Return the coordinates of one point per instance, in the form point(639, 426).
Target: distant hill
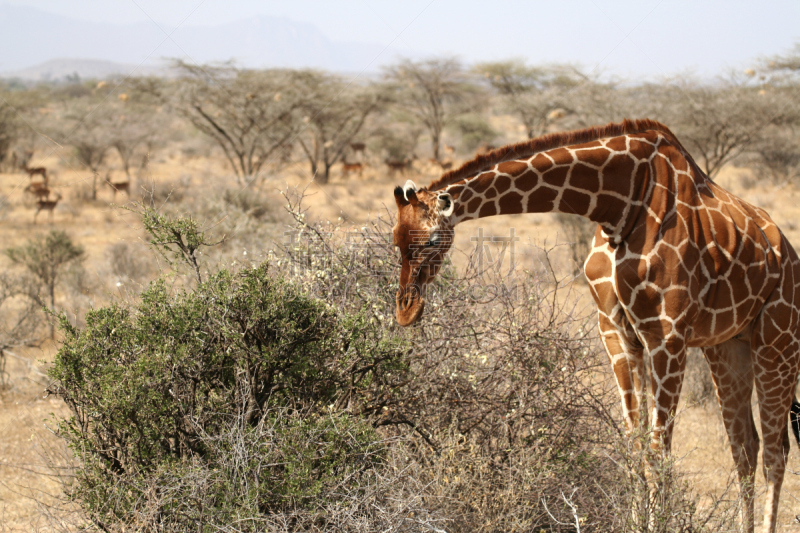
point(32, 37)
point(60, 69)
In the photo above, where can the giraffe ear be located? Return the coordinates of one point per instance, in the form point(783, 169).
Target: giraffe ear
point(446, 204)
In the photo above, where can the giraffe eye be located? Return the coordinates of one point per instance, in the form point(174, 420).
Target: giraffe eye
point(433, 240)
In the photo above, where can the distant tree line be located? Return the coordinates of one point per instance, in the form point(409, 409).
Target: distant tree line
point(263, 120)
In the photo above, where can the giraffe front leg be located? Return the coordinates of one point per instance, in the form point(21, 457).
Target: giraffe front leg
point(668, 361)
point(624, 349)
point(626, 354)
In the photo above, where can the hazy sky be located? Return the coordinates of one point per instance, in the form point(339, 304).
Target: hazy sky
point(642, 38)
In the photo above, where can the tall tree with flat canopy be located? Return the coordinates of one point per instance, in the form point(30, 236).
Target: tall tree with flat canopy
point(723, 122)
point(434, 92)
point(538, 96)
point(250, 114)
point(334, 112)
point(88, 125)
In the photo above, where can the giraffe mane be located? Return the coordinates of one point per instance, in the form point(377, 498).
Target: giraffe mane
point(548, 142)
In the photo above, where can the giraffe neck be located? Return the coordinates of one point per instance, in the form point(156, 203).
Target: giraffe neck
point(603, 180)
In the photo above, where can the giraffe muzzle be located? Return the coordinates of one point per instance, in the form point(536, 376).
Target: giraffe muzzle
point(410, 305)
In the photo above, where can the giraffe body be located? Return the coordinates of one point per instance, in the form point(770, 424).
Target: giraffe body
point(676, 262)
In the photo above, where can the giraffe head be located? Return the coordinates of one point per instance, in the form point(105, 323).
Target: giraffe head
point(424, 234)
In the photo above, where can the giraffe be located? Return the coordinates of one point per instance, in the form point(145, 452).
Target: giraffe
point(676, 262)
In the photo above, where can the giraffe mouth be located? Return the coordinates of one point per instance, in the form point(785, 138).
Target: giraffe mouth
point(410, 305)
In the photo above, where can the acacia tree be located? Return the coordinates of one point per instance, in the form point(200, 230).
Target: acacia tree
point(598, 101)
point(88, 125)
point(126, 143)
point(20, 118)
point(786, 63)
point(91, 149)
point(45, 258)
point(136, 134)
point(141, 120)
point(720, 123)
point(335, 112)
point(249, 114)
point(538, 96)
point(434, 92)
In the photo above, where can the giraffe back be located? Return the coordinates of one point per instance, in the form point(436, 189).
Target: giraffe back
point(697, 258)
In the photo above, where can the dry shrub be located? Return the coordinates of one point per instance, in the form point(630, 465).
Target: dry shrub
point(258, 205)
point(509, 416)
point(241, 221)
point(5, 206)
point(777, 158)
point(748, 181)
point(651, 496)
point(164, 191)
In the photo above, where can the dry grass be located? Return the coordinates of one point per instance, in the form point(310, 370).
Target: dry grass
point(25, 440)
point(96, 225)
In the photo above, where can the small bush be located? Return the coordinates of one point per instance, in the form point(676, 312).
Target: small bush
point(5, 206)
point(777, 158)
point(152, 388)
point(165, 191)
point(252, 203)
point(652, 495)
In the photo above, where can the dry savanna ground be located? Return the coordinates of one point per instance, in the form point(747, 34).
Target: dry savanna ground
point(26, 443)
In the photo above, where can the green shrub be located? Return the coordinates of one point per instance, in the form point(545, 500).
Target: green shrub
point(238, 386)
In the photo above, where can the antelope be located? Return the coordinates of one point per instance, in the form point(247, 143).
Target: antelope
point(33, 171)
point(446, 165)
point(449, 149)
point(351, 167)
point(395, 165)
point(119, 187)
point(46, 205)
point(358, 148)
point(38, 189)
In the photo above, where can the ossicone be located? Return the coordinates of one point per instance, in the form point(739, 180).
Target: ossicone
point(406, 194)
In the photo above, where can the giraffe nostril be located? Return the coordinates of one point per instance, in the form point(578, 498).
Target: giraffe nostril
point(403, 301)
